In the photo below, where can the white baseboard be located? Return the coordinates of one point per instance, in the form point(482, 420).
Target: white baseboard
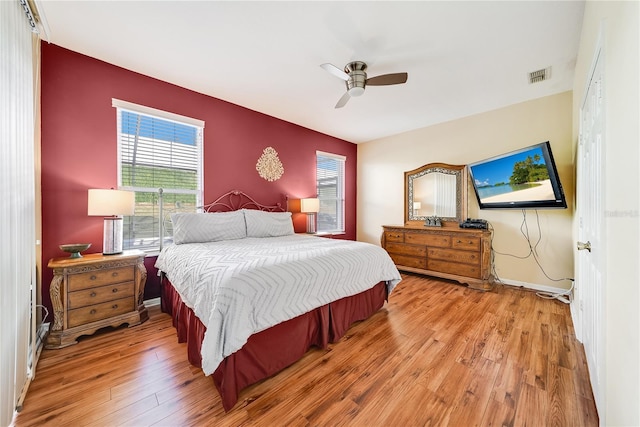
point(151, 302)
point(534, 286)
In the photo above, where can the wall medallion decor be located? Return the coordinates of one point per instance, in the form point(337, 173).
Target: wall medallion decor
point(269, 165)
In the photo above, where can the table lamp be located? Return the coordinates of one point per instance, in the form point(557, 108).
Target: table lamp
point(111, 204)
point(416, 208)
point(310, 207)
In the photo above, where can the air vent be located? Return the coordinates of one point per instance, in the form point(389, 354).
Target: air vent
point(540, 75)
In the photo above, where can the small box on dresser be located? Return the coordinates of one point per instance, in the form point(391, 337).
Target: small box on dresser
point(94, 292)
point(447, 252)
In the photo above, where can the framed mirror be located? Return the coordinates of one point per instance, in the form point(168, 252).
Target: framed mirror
point(435, 189)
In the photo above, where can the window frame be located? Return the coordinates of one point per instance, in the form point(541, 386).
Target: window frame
point(340, 199)
point(124, 106)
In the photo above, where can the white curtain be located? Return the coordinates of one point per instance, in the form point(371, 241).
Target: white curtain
point(17, 206)
point(445, 195)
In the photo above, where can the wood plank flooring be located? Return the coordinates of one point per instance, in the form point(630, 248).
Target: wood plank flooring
point(437, 354)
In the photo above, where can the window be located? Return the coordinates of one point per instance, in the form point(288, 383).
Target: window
point(157, 150)
point(330, 188)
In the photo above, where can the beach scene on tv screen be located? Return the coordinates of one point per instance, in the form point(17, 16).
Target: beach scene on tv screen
point(516, 178)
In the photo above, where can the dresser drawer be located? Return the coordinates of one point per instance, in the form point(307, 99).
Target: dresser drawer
point(100, 277)
point(86, 297)
point(403, 249)
point(471, 243)
point(466, 270)
point(438, 240)
point(407, 261)
point(101, 311)
point(394, 236)
point(468, 257)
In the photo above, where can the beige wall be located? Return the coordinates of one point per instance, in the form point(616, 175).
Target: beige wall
point(382, 163)
point(615, 26)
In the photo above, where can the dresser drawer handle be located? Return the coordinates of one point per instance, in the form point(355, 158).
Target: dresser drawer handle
point(114, 274)
point(114, 306)
point(459, 241)
point(114, 290)
point(92, 294)
point(93, 311)
point(93, 277)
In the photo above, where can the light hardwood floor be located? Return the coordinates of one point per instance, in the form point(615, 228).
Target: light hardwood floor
point(436, 354)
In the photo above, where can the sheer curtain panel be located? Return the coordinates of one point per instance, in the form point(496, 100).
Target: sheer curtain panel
point(17, 209)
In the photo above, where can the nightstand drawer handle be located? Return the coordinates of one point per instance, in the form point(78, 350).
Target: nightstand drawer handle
point(459, 241)
point(93, 277)
point(114, 306)
point(93, 311)
point(92, 294)
point(114, 290)
point(114, 274)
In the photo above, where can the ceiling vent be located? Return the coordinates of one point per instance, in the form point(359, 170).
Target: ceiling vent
point(540, 75)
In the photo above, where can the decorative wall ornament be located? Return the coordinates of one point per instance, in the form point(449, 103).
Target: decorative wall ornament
point(269, 165)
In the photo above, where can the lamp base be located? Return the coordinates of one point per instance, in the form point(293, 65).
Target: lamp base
point(311, 223)
point(112, 236)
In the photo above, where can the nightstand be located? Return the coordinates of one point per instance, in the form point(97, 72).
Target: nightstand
point(93, 292)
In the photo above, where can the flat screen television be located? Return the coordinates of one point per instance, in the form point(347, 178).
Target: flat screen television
point(521, 179)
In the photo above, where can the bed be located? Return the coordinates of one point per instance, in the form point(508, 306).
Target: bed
point(250, 297)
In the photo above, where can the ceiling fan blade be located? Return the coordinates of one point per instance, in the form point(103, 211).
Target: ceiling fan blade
point(387, 79)
point(335, 71)
point(342, 101)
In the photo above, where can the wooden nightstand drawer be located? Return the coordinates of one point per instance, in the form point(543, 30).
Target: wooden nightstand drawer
point(102, 294)
point(96, 312)
point(92, 279)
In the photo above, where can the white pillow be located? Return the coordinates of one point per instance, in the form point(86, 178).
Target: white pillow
point(268, 224)
point(208, 227)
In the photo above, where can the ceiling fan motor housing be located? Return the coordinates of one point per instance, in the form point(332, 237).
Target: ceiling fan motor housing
point(357, 77)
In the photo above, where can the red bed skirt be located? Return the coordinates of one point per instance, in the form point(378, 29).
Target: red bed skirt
point(273, 349)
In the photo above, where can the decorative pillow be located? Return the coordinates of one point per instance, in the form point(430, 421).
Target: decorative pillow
point(268, 224)
point(208, 227)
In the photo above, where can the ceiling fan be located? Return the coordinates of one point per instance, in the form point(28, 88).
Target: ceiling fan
point(355, 76)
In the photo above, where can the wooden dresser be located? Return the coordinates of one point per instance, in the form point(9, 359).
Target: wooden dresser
point(455, 253)
point(93, 292)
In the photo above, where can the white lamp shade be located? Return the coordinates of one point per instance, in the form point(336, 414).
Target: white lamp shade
point(309, 205)
point(417, 205)
point(111, 202)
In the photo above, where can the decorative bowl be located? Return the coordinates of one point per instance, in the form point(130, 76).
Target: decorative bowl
point(75, 248)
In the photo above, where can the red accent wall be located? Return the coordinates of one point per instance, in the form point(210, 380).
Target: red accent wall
point(79, 148)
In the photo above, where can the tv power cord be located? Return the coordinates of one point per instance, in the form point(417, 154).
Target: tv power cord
point(564, 297)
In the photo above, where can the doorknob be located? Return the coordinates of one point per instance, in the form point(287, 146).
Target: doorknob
point(582, 246)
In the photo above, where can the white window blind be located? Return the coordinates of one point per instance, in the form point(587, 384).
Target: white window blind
point(330, 189)
point(157, 150)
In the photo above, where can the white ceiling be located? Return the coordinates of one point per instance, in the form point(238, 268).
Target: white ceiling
point(463, 57)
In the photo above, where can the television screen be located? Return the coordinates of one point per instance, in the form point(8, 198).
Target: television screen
point(525, 178)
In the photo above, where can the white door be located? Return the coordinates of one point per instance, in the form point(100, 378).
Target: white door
point(590, 278)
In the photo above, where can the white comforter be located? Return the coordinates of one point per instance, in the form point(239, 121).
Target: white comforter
point(240, 287)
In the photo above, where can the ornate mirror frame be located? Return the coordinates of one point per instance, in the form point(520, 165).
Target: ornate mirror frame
point(459, 171)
